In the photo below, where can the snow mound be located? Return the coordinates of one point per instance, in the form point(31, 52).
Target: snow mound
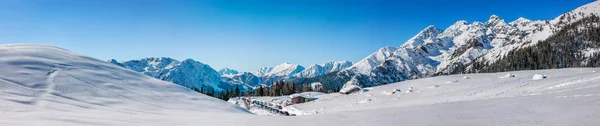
point(539, 77)
point(508, 75)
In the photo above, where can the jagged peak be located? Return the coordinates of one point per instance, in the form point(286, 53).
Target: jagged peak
point(429, 32)
point(158, 58)
point(387, 49)
point(286, 64)
point(495, 17)
point(430, 29)
point(456, 25)
point(113, 61)
point(520, 20)
point(461, 22)
point(337, 62)
point(227, 70)
point(494, 20)
point(192, 61)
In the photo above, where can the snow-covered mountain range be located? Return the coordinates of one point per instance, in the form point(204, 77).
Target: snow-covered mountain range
point(434, 51)
point(194, 74)
point(188, 73)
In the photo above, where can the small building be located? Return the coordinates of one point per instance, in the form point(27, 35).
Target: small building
point(297, 99)
point(349, 89)
point(351, 86)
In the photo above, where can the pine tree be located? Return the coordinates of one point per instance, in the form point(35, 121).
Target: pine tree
point(237, 91)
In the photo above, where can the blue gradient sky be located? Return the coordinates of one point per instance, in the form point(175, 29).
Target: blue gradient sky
point(246, 34)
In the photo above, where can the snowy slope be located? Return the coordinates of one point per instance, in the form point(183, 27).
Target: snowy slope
point(44, 85)
point(565, 97)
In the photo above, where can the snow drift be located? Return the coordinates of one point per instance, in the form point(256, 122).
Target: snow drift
point(52, 86)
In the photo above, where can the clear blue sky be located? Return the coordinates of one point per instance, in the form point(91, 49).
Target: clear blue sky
point(246, 34)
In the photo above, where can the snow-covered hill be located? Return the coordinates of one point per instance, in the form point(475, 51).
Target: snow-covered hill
point(562, 97)
point(44, 85)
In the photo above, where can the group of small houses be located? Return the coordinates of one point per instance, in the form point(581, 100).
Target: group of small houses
point(300, 98)
point(273, 108)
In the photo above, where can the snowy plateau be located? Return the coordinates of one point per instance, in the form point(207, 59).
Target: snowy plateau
point(422, 82)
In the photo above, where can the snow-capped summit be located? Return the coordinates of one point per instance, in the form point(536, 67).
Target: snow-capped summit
point(333, 66)
point(151, 66)
point(285, 69)
point(227, 71)
point(425, 36)
point(521, 21)
point(494, 17)
point(262, 71)
point(325, 68)
point(366, 65)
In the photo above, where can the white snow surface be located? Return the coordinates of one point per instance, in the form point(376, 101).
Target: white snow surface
point(43, 85)
point(569, 97)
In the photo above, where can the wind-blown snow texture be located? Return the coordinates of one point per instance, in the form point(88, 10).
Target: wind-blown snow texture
point(43, 85)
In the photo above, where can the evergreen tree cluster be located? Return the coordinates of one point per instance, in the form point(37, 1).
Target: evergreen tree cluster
point(282, 88)
point(279, 88)
point(224, 95)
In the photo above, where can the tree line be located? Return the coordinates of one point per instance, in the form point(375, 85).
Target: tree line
point(279, 88)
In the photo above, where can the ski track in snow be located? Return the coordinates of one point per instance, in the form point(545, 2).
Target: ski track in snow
point(39, 100)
